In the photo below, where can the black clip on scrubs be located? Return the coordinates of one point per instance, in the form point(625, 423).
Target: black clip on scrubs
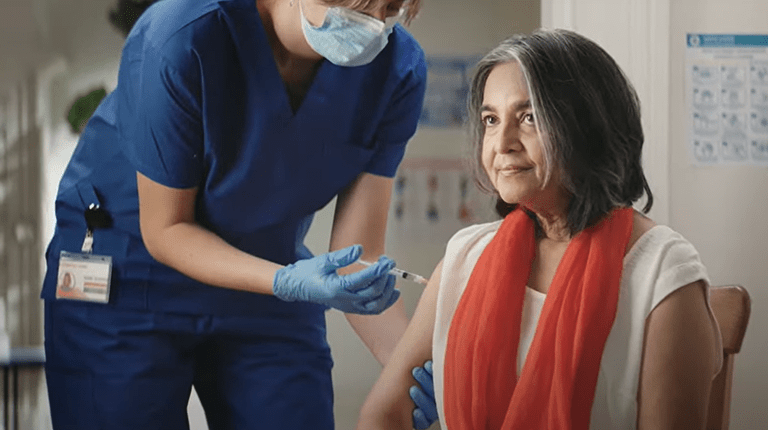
point(95, 217)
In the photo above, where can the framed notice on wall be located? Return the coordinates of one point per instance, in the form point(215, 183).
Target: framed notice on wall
point(447, 88)
point(726, 81)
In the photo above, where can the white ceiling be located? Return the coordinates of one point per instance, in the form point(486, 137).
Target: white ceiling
point(33, 32)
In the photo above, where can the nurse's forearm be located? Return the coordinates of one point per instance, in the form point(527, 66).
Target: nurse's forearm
point(380, 333)
point(172, 237)
point(202, 255)
point(361, 217)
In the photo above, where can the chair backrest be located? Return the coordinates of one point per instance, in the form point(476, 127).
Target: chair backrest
point(731, 306)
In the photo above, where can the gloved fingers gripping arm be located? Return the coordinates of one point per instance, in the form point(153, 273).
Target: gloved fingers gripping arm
point(423, 376)
point(423, 395)
point(369, 291)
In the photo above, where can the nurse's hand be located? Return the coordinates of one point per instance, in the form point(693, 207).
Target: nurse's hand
point(369, 291)
point(423, 395)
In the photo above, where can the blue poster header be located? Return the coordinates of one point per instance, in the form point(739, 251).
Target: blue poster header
point(695, 40)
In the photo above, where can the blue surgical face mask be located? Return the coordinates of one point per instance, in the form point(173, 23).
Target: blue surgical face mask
point(347, 37)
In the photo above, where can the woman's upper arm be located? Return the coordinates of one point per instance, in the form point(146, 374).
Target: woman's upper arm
point(361, 215)
point(679, 361)
point(389, 405)
point(161, 207)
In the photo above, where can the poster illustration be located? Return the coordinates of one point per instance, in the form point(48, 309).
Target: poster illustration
point(447, 89)
point(434, 198)
point(727, 98)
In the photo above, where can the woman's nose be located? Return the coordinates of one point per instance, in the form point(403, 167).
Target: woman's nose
point(509, 140)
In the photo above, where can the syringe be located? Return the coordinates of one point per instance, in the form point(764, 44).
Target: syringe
point(401, 273)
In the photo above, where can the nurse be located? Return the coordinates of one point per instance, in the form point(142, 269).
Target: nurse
point(183, 211)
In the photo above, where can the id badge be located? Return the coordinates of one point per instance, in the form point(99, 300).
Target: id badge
point(84, 277)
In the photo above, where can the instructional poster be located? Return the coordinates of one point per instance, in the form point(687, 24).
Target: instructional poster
point(727, 98)
point(447, 88)
point(433, 199)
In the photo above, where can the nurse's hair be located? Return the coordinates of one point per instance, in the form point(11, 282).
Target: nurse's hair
point(587, 115)
point(411, 6)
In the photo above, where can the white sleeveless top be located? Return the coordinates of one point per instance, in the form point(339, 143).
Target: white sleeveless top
point(660, 262)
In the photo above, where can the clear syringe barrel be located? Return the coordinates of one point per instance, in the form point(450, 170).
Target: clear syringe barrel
point(401, 273)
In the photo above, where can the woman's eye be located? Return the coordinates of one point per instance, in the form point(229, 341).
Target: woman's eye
point(528, 118)
point(488, 120)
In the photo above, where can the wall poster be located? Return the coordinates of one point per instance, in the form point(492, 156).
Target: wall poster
point(727, 98)
point(447, 88)
point(434, 198)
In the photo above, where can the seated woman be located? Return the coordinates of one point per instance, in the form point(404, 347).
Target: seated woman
point(575, 311)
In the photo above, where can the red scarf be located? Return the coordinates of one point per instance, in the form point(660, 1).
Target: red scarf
point(557, 384)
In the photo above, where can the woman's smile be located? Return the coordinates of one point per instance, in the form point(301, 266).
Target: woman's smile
point(511, 169)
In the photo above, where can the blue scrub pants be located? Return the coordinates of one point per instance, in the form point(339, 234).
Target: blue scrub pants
point(113, 369)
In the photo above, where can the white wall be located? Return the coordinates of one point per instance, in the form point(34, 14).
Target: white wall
point(722, 209)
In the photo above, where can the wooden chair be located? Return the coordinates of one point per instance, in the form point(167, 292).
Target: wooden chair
point(731, 306)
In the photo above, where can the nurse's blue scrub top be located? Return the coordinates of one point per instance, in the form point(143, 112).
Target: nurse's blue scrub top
point(200, 103)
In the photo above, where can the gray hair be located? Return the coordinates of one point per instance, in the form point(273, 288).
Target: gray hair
point(587, 117)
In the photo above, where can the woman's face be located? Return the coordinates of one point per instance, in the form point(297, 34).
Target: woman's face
point(512, 154)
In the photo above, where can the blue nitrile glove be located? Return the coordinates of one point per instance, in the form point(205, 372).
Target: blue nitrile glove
point(426, 408)
point(369, 291)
